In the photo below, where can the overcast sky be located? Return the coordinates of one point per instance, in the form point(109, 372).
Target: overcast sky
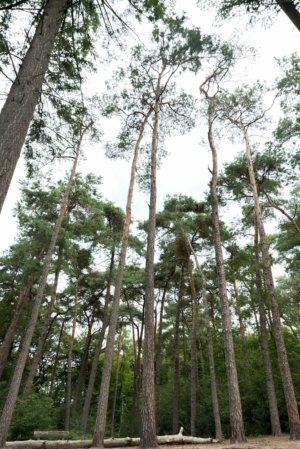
point(185, 170)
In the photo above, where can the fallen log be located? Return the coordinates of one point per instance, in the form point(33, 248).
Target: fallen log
point(109, 443)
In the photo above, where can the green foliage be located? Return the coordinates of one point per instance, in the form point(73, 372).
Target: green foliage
point(34, 414)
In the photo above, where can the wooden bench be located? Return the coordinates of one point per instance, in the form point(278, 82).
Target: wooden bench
point(50, 435)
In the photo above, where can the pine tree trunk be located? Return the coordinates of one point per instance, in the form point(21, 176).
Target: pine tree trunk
point(159, 344)
point(214, 393)
point(194, 364)
point(177, 356)
point(242, 328)
point(19, 367)
point(237, 433)
point(4, 350)
point(23, 97)
point(98, 440)
point(291, 403)
point(23, 296)
point(275, 423)
point(43, 337)
point(83, 365)
point(56, 359)
point(137, 350)
point(69, 365)
point(290, 9)
point(113, 409)
point(90, 388)
point(148, 421)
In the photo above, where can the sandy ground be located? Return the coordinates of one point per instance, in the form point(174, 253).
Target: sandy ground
point(267, 442)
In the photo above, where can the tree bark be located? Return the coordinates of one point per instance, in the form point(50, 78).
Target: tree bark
point(19, 367)
point(289, 8)
point(4, 350)
point(148, 421)
point(56, 359)
point(291, 403)
point(89, 391)
point(214, 393)
point(83, 364)
point(106, 373)
point(177, 355)
point(194, 364)
point(274, 416)
point(113, 409)
point(159, 344)
point(69, 375)
point(242, 328)
point(23, 97)
point(43, 337)
point(237, 432)
point(23, 296)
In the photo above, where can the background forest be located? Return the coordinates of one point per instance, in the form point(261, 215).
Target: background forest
point(181, 306)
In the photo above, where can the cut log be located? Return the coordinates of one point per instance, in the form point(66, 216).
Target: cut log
point(111, 442)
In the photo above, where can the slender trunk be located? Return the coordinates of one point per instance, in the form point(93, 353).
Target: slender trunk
point(194, 364)
point(177, 356)
point(23, 296)
point(24, 93)
point(289, 8)
point(4, 350)
point(98, 440)
point(159, 343)
point(90, 388)
point(291, 403)
point(137, 349)
point(148, 421)
point(19, 368)
point(236, 417)
point(210, 351)
point(275, 423)
point(69, 375)
point(242, 328)
point(137, 384)
point(83, 365)
point(56, 359)
point(43, 337)
point(184, 344)
point(113, 410)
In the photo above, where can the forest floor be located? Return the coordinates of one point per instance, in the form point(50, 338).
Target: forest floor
point(264, 442)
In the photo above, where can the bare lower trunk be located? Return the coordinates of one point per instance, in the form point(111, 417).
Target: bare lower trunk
point(159, 345)
point(19, 367)
point(275, 423)
point(24, 93)
point(236, 418)
point(176, 356)
point(83, 365)
point(137, 347)
point(56, 359)
point(113, 410)
point(4, 350)
point(148, 421)
point(291, 403)
point(69, 375)
point(242, 328)
point(106, 373)
point(89, 391)
point(210, 351)
point(40, 346)
point(194, 364)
